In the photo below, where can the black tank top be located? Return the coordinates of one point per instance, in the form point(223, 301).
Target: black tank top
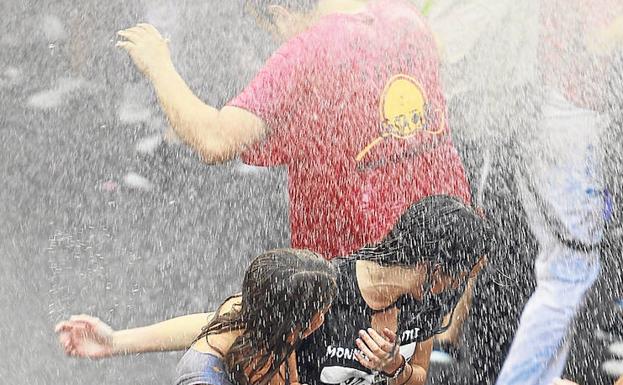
point(327, 356)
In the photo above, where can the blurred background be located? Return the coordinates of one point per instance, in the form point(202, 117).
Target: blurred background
point(98, 216)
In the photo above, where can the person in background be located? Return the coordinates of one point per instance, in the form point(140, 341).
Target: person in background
point(362, 136)
point(550, 92)
point(481, 45)
point(562, 184)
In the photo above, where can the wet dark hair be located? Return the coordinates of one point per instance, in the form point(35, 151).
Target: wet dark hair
point(448, 236)
point(282, 291)
point(439, 230)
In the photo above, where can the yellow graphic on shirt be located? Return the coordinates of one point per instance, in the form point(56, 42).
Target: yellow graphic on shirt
point(404, 112)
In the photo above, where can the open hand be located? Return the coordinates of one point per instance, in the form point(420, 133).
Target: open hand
point(147, 48)
point(380, 353)
point(85, 336)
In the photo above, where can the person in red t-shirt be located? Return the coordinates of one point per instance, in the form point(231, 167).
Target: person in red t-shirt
point(351, 104)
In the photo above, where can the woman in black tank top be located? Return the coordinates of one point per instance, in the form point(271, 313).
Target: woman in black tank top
point(393, 296)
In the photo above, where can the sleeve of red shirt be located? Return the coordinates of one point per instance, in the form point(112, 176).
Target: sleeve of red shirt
point(271, 96)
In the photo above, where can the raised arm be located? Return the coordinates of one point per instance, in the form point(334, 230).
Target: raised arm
point(88, 337)
point(217, 135)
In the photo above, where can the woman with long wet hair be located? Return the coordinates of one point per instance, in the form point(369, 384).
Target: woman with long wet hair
point(247, 341)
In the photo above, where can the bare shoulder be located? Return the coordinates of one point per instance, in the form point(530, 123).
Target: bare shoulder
point(231, 303)
point(220, 341)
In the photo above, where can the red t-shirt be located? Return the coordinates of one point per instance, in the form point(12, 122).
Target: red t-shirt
point(355, 111)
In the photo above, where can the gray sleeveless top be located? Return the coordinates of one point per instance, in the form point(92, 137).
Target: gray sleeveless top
point(197, 368)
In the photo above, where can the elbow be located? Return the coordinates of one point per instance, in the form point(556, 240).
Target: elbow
point(219, 137)
point(215, 156)
point(217, 150)
point(213, 145)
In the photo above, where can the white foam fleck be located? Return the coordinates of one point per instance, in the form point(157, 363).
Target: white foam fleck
point(137, 181)
point(148, 144)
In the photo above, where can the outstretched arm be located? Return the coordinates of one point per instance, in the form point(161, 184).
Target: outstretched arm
point(217, 135)
point(88, 337)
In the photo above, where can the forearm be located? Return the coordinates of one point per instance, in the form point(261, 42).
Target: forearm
point(412, 374)
point(195, 122)
point(460, 314)
point(174, 334)
point(418, 364)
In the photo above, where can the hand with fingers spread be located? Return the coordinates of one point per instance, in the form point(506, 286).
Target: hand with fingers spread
point(86, 337)
point(380, 353)
point(147, 48)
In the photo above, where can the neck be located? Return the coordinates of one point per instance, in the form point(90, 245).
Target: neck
point(219, 343)
point(324, 8)
point(327, 7)
point(382, 286)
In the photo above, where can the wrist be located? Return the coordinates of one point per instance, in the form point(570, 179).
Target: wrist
point(406, 375)
point(393, 371)
point(161, 70)
point(116, 342)
point(120, 343)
